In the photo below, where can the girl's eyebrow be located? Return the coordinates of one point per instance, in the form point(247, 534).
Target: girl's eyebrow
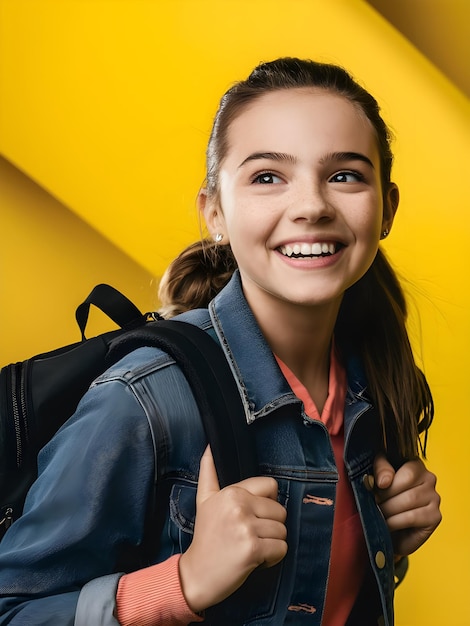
point(347, 156)
point(283, 157)
point(270, 156)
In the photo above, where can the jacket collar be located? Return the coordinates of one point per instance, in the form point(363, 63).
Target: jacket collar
point(261, 384)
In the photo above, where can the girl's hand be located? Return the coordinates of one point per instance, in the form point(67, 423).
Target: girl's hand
point(409, 502)
point(237, 529)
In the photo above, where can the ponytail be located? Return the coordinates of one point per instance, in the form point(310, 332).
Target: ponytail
point(195, 277)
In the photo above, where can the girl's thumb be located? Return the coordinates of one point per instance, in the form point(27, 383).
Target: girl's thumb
point(383, 472)
point(208, 483)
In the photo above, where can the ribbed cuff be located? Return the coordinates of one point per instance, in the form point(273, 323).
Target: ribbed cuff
point(153, 597)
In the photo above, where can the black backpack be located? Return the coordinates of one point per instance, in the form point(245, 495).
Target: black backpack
point(38, 395)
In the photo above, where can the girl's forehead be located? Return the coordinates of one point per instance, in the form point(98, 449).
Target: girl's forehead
point(293, 118)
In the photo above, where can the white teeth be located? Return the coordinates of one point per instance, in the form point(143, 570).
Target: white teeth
point(308, 249)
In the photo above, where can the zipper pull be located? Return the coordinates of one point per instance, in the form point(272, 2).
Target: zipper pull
point(7, 520)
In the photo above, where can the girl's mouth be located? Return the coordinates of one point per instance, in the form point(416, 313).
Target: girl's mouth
point(309, 250)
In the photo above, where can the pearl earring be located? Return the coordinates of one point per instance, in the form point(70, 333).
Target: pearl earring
point(385, 234)
point(218, 238)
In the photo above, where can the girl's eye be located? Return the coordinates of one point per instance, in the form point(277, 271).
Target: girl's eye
point(347, 177)
point(267, 178)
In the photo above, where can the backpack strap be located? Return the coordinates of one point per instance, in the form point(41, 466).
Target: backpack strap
point(113, 303)
point(204, 365)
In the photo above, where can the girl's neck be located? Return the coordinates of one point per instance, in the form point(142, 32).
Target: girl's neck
point(301, 337)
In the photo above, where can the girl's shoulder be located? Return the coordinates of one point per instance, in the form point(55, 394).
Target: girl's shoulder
point(144, 360)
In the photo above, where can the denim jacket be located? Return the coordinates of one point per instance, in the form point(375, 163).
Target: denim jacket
point(138, 426)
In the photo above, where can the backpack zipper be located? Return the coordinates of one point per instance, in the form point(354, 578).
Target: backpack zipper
point(18, 405)
point(23, 405)
point(16, 415)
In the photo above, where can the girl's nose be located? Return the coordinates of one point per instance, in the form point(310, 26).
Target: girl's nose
point(311, 205)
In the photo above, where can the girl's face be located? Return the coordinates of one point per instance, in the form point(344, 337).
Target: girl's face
point(300, 197)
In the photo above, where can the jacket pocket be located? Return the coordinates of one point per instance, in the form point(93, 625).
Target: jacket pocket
point(182, 515)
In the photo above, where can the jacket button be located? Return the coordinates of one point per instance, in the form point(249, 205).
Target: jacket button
point(368, 481)
point(380, 559)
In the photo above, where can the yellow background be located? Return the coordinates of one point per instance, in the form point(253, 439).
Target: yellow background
point(105, 110)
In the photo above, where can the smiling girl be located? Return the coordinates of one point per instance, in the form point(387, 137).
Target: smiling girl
point(297, 198)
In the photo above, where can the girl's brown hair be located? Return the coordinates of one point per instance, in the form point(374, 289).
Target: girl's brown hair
point(372, 317)
point(196, 276)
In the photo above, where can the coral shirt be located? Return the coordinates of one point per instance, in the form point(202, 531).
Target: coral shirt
point(348, 551)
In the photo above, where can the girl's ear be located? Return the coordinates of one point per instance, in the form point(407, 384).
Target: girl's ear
point(213, 216)
point(391, 201)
